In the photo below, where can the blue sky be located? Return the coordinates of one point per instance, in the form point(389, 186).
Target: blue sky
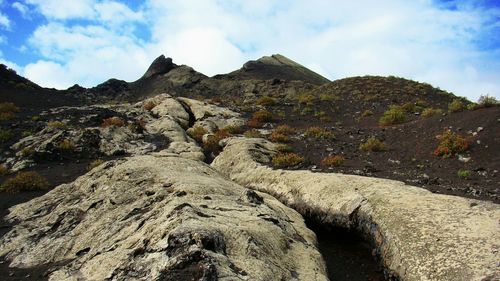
point(454, 45)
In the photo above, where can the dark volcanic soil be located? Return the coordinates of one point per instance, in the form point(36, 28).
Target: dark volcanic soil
point(409, 156)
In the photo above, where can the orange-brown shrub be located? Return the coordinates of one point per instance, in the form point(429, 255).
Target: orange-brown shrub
point(334, 160)
point(450, 144)
point(112, 121)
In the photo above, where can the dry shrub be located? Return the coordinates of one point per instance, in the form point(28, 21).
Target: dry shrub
point(252, 134)
point(8, 110)
point(263, 116)
point(395, 115)
point(112, 121)
point(367, 113)
point(149, 105)
point(233, 129)
point(259, 118)
point(3, 169)
point(25, 181)
point(5, 135)
point(66, 145)
point(57, 124)
point(487, 101)
point(373, 144)
point(285, 160)
point(211, 144)
point(334, 160)
point(456, 105)
point(266, 101)
point(428, 112)
point(95, 163)
point(306, 99)
point(284, 148)
point(279, 137)
point(197, 133)
point(450, 144)
point(319, 133)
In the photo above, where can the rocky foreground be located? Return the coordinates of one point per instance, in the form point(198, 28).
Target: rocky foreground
point(163, 214)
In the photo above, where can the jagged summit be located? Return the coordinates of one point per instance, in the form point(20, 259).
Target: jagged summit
point(160, 65)
point(275, 67)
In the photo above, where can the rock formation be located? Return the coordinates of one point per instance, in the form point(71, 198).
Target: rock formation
point(419, 235)
point(161, 218)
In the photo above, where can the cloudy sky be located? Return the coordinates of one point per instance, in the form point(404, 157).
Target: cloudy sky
point(454, 45)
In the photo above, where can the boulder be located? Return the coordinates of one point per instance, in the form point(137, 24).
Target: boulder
point(418, 235)
point(160, 218)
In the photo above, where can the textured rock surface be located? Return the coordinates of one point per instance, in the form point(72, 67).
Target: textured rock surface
point(161, 218)
point(420, 235)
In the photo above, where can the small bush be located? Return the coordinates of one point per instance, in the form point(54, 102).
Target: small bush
point(279, 137)
point(266, 101)
point(306, 99)
point(252, 134)
point(95, 163)
point(263, 116)
point(487, 101)
point(328, 97)
point(395, 115)
point(149, 105)
point(284, 148)
point(8, 110)
point(27, 151)
point(456, 105)
point(284, 160)
point(408, 107)
point(428, 112)
point(5, 135)
point(35, 118)
point(112, 121)
point(367, 113)
point(3, 169)
point(259, 118)
point(66, 145)
point(464, 174)
point(285, 129)
point(334, 160)
point(25, 181)
point(319, 133)
point(233, 130)
point(197, 133)
point(306, 111)
point(57, 124)
point(211, 144)
point(373, 144)
point(450, 144)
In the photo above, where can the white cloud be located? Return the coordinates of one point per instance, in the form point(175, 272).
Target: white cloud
point(23, 9)
point(116, 13)
point(85, 55)
point(207, 48)
point(4, 21)
point(57, 9)
point(413, 39)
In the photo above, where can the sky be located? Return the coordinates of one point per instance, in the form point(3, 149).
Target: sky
point(453, 45)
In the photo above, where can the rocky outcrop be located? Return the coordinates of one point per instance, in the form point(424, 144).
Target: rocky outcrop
point(419, 235)
point(160, 65)
point(161, 218)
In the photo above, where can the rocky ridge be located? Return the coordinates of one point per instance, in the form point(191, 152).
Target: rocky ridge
point(419, 235)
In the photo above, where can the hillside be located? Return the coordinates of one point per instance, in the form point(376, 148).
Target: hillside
point(239, 169)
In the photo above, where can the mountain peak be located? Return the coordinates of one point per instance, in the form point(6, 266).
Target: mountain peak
point(277, 67)
point(277, 60)
point(160, 65)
